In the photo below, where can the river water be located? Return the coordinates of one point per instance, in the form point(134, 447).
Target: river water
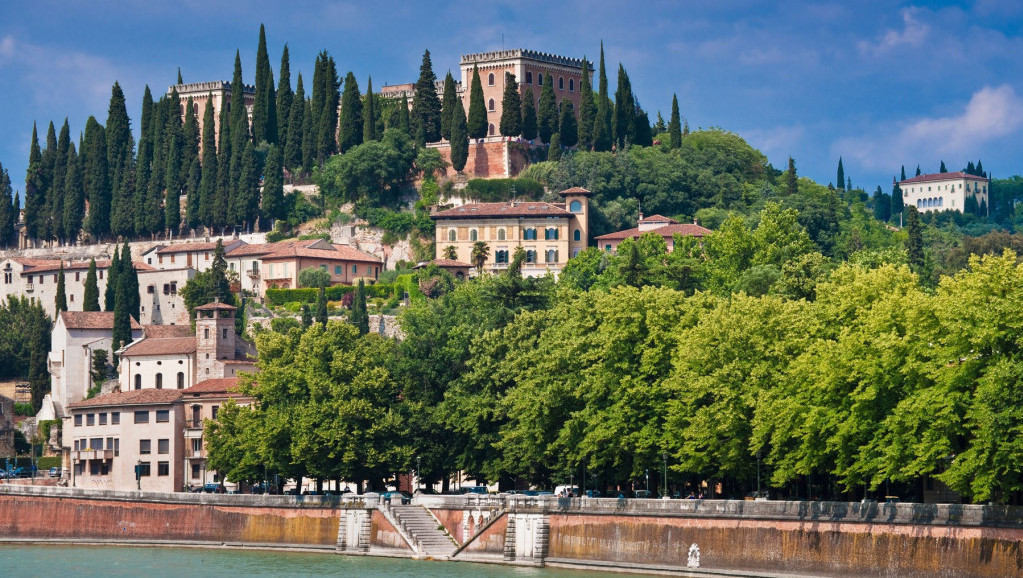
point(103, 561)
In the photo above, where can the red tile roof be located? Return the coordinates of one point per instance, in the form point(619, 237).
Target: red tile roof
point(444, 263)
point(667, 231)
point(53, 265)
point(338, 253)
point(941, 177)
point(575, 191)
point(195, 247)
point(160, 346)
point(216, 306)
point(217, 385)
point(512, 209)
point(164, 331)
point(658, 219)
point(131, 397)
point(92, 320)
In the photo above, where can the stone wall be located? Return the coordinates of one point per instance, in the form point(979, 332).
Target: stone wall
point(490, 158)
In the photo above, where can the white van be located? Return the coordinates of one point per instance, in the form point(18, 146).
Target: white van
point(563, 491)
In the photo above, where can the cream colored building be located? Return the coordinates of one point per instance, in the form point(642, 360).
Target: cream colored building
point(202, 402)
point(944, 191)
point(658, 224)
point(549, 233)
point(37, 279)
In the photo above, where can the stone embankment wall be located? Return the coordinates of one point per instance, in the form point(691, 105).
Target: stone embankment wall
point(46, 514)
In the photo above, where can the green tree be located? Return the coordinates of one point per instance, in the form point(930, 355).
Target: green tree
point(554, 149)
point(841, 175)
point(192, 164)
point(942, 169)
point(529, 128)
point(568, 130)
point(34, 188)
point(350, 131)
point(285, 97)
point(477, 120)
point(60, 301)
point(447, 106)
point(480, 254)
point(325, 102)
point(426, 108)
point(208, 182)
point(914, 239)
point(370, 114)
point(587, 108)
point(321, 306)
point(897, 203)
point(547, 113)
point(624, 115)
point(74, 198)
point(314, 277)
point(245, 211)
point(375, 172)
point(100, 371)
point(459, 137)
point(120, 159)
point(791, 180)
point(511, 106)
point(296, 129)
point(113, 276)
point(209, 285)
point(307, 316)
point(264, 107)
point(360, 316)
point(97, 189)
point(602, 136)
point(90, 301)
point(675, 124)
point(272, 198)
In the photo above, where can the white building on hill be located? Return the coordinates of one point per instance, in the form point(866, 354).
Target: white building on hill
point(944, 191)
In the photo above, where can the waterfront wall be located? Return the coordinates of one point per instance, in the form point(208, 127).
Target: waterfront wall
point(48, 513)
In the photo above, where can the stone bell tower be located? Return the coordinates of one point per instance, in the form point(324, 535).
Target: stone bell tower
point(215, 339)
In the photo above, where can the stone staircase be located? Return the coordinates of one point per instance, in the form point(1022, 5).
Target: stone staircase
point(422, 526)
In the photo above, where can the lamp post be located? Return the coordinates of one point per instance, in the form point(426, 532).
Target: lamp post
point(648, 479)
point(665, 456)
point(419, 475)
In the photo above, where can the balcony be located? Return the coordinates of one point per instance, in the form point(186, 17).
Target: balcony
point(30, 287)
point(254, 273)
point(92, 455)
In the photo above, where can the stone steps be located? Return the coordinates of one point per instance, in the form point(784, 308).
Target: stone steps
point(425, 529)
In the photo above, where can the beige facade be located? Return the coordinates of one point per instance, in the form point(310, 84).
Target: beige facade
point(37, 279)
point(219, 92)
point(944, 191)
point(201, 404)
point(667, 228)
point(549, 233)
point(161, 300)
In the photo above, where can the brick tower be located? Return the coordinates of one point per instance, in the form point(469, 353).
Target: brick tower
point(215, 339)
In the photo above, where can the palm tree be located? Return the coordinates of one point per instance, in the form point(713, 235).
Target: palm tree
point(480, 254)
point(450, 252)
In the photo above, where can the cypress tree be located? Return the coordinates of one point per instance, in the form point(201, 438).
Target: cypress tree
point(511, 107)
point(447, 106)
point(60, 301)
point(660, 126)
point(970, 169)
point(459, 137)
point(90, 301)
point(674, 125)
point(296, 122)
point(190, 162)
point(284, 99)
point(113, 278)
point(309, 124)
point(360, 316)
point(172, 200)
point(120, 147)
point(897, 202)
point(264, 105)
point(370, 113)
point(208, 182)
point(529, 129)
point(942, 169)
point(568, 130)
point(624, 116)
point(791, 180)
point(554, 149)
point(97, 188)
point(144, 160)
point(321, 306)
point(46, 188)
point(848, 183)
point(273, 186)
point(477, 120)
point(903, 173)
point(33, 187)
point(350, 129)
point(547, 113)
point(122, 317)
point(914, 239)
point(55, 202)
point(307, 316)
point(643, 135)
point(426, 107)
point(317, 95)
point(918, 170)
point(239, 137)
point(222, 198)
point(245, 208)
point(587, 108)
point(685, 127)
point(130, 277)
point(841, 174)
point(602, 136)
point(74, 197)
point(980, 169)
point(149, 214)
point(882, 205)
point(326, 124)
point(404, 122)
point(7, 213)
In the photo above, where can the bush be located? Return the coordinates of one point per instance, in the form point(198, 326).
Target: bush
point(290, 298)
point(500, 190)
point(24, 408)
point(47, 462)
point(285, 324)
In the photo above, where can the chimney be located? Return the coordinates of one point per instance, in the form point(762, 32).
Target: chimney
point(695, 222)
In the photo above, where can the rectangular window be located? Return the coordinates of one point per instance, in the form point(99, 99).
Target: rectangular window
point(354, 269)
point(90, 419)
point(78, 420)
point(163, 446)
point(142, 417)
point(337, 269)
point(117, 447)
point(78, 275)
point(115, 418)
point(102, 419)
point(196, 445)
point(151, 289)
point(195, 471)
point(143, 469)
point(76, 445)
point(163, 468)
point(79, 469)
point(215, 408)
point(96, 444)
point(145, 447)
point(162, 415)
point(101, 274)
point(94, 467)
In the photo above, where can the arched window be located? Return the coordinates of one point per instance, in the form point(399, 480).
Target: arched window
point(474, 235)
point(575, 207)
point(451, 234)
point(500, 235)
point(490, 105)
point(491, 129)
point(552, 256)
point(490, 79)
point(529, 78)
point(181, 380)
point(578, 235)
point(561, 83)
point(550, 234)
point(529, 234)
point(530, 256)
point(138, 381)
point(539, 79)
point(571, 85)
point(159, 381)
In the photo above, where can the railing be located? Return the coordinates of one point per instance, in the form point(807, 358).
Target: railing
point(92, 455)
point(30, 287)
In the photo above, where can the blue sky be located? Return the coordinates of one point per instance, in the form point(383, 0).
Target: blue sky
point(881, 83)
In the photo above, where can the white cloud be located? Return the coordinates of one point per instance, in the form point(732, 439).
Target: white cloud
point(778, 143)
point(6, 49)
point(50, 74)
point(913, 33)
point(991, 114)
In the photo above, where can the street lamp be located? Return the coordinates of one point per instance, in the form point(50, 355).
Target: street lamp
point(648, 479)
point(665, 456)
point(419, 465)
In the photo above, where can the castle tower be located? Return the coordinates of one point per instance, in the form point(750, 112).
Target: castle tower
point(215, 339)
point(577, 202)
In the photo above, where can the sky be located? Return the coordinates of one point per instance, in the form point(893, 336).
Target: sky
point(879, 83)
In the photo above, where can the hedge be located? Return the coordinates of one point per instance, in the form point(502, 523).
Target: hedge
point(278, 297)
point(500, 190)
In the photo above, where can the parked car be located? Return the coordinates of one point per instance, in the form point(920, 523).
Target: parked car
point(646, 494)
point(390, 497)
point(212, 489)
point(475, 490)
point(592, 493)
point(566, 491)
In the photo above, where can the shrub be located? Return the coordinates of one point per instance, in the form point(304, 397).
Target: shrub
point(499, 190)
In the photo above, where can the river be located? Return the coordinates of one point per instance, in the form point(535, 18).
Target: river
point(146, 562)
